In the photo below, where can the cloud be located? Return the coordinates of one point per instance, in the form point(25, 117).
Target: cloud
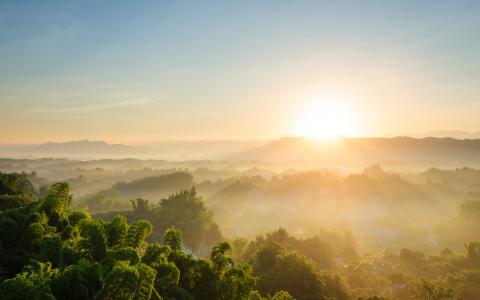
point(83, 107)
point(102, 106)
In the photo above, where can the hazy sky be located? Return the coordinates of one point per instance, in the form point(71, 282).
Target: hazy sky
point(139, 71)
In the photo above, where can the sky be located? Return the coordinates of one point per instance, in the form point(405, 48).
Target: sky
point(144, 71)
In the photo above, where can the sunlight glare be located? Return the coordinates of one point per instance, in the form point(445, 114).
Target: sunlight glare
point(326, 119)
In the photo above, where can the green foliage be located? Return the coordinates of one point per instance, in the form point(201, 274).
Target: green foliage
point(77, 216)
point(128, 282)
point(281, 295)
point(156, 253)
point(220, 257)
point(78, 282)
point(105, 201)
point(94, 242)
point(32, 283)
point(137, 233)
point(186, 211)
point(307, 284)
point(236, 282)
point(56, 203)
point(473, 254)
point(279, 269)
point(93, 259)
point(163, 183)
point(12, 201)
point(314, 248)
point(168, 275)
point(145, 282)
point(51, 250)
point(16, 184)
point(127, 254)
point(48, 251)
point(255, 295)
point(33, 235)
point(9, 231)
point(117, 231)
point(428, 291)
point(173, 238)
point(183, 210)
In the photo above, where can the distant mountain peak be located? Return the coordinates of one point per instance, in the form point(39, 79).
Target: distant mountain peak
point(84, 148)
point(78, 142)
point(456, 134)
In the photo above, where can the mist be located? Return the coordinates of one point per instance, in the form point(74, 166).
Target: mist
point(340, 217)
point(239, 150)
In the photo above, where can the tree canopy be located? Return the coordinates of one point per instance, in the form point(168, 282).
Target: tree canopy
point(50, 251)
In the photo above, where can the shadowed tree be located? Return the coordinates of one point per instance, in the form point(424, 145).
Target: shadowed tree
point(51, 250)
point(31, 284)
point(128, 282)
point(117, 231)
point(94, 242)
point(78, 282)
point(140, 206)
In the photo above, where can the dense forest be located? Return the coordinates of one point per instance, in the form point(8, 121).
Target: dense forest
point(175, 249)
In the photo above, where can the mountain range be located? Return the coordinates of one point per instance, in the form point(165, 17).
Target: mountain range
point(428, 151)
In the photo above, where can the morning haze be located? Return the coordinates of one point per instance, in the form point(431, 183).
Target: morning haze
point(240, 150)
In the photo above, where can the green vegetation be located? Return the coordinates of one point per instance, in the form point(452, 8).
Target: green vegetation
point(184, 210)
point(164, 183)
point(174, 249)
point(154, 187)
point(15, 190)
point(51, 252)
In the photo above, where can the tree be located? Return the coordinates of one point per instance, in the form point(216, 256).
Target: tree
point(9, 231)
point(78, 282)
point(16, 184)
point(156, 253)
point(31, 284)
point(137, 233)
point(56, 203)
point(428, 291)
point(282, 295)
point(33, 235)
point(51, 250)
point(220, 257)
point(140, 206)
point(173, 238)
point(186, 211)
point(276, 267)
point(127, 254)
point(117, 231)
point(127, 282)
point(236, 283)
point(94, 242)
point(473, 254)
point(145, 282)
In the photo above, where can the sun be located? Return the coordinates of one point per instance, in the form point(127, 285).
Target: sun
point(326, 119)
